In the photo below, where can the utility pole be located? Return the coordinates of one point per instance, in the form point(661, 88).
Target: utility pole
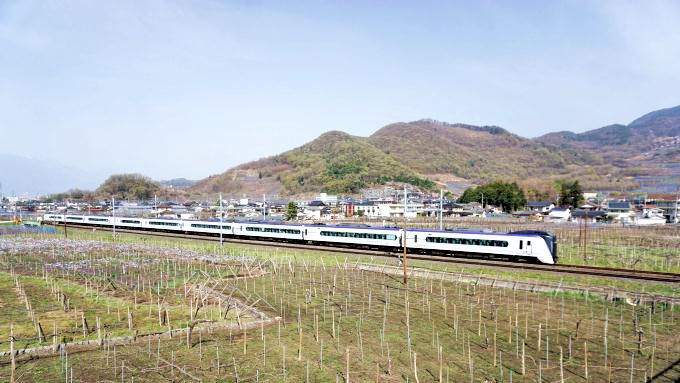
point(113, 214)
point(155, 205)
point(405, 201)
point(441, 209)
point(264, 206)
point(585, 238)
point(221, 218)
point(65, 212)
point(677, 197)
point(405, 273)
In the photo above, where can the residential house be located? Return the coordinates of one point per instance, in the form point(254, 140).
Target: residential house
point(620, 211)
point(316, 210)
point(591, 216)
point(540, 206)
point(669, 204)
point(559, 214)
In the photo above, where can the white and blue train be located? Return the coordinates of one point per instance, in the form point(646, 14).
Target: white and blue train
point(532, 245)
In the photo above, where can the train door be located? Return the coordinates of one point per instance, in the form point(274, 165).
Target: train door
point(528, 249)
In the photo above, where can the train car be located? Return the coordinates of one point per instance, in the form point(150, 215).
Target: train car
point(273, 231)
point(208, 227)
point(355, 235)
point(163, 224)
point(535, 245)
point(53, 218)
point(75, 219)
point(127, 222)
point(531, 245)
point(99, 221)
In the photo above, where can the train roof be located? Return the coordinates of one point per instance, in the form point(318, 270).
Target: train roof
point(471, 231)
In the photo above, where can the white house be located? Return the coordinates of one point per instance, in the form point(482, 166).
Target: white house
point(316, 210)
point(620, 212)
point(540, 206)
point(559, 213)
point(328, 199)
point(385, 209)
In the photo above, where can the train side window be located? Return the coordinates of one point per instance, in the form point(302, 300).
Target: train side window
point(305, 231)
point(416, 238)
point(528, 243)
point(520, 244)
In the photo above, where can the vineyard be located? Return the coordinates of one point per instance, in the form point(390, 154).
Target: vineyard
point(81, 311)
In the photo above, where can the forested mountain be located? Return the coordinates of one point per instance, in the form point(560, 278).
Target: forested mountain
point(429, 154)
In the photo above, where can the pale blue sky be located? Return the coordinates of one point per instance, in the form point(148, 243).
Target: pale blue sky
point(191, 88)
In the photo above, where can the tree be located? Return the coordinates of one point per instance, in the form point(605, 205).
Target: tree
point(292, 211)
point(509, 196)
point(571, 193)
point(77, 194)
point(129, 186)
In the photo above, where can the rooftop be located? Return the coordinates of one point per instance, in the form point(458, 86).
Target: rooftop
point(618, 205)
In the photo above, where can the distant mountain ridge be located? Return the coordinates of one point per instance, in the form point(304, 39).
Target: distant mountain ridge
point(179, 183)
point(21, 175)
point(653, 136)
point(429, 153)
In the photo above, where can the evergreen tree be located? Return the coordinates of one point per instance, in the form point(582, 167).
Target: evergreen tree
point(509, 196)
point(292, 211)
point(571, 193)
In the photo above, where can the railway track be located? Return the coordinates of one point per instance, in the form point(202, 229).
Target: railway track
point(640, 275)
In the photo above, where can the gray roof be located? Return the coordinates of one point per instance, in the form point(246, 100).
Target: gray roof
point(538, 204)
point(588, 213)
point(619, 205)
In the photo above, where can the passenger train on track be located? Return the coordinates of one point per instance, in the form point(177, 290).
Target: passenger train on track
point(531, 245)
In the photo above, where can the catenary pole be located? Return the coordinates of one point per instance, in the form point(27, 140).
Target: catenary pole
point(221, 218)
point(113, 214)
point(677, 197)
point(441, 209)
point(65, 211)
point(405, 273)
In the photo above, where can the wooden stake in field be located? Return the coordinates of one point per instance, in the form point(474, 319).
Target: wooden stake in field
point(441, 361)
point(415, 367)
point(561, 365)
point(523, 364)
point(11, 351)
point(99, 332)
point(245, 340)
point(585, 356)
point(85, 329)
point(347, 365)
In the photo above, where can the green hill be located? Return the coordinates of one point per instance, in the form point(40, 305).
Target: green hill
point(134, 186)
point(335, 162)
